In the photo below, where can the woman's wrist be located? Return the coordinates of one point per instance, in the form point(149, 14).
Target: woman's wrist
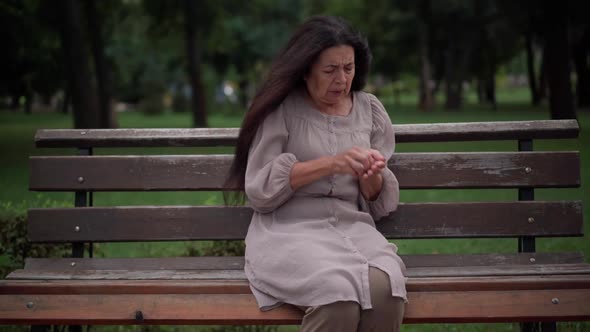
point(306, 172)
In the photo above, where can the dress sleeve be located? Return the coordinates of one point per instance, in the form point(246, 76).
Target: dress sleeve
point(267, 184)
point(383, 139)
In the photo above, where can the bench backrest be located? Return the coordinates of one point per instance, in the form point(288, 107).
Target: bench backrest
point(523, 170)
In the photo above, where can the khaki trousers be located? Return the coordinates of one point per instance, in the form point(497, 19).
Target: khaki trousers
point(386, 316)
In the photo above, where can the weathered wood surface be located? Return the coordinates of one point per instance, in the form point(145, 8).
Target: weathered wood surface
point(237, 262)
point(469, 131)
point(411, 220)
point(423, 307)
point(415, 272)
point(211, 286)
point(207, 290)
point(208, 172)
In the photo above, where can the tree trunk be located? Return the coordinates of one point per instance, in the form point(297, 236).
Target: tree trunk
point(490, 89)
point(15, 101)
point(481, 96)
point(486, 89)
point(455, 62)
point(530, 61)
point(561, 102)
point(107, 116)
point(426, 100)
point(454, 95)
point(28, 107)
point(581, 52)
point(84, 100)
point(243, 93)
point(65, 106)
point(543, 76)
point(199, 104)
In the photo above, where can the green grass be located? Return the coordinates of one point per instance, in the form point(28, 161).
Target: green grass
point(16, 145)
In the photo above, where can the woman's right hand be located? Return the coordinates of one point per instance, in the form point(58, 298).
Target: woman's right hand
point(357, 161)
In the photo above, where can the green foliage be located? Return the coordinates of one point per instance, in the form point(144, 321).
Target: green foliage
point(142, 58)
point(218, 248)
point(14, 246)
point(31, 54)
point(261, 328)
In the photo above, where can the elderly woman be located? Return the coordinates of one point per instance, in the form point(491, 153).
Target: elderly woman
point(312, 155)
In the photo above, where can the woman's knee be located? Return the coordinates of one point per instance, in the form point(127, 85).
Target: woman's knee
point(380, 288)
point(387, 311)
point(338, 310)
point(336, 316)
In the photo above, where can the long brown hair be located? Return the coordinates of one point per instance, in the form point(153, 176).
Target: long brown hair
point(286, 74)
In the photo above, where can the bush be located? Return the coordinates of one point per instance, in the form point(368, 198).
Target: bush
point(218, 248)
point(14, 246)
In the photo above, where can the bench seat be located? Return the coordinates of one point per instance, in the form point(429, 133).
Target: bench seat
point(47, 293)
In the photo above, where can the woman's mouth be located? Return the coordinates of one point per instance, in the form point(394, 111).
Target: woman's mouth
point(337, 92)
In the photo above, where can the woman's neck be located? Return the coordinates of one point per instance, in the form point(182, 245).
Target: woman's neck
point(340, 108)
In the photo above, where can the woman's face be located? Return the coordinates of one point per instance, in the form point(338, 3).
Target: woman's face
point(330, 77)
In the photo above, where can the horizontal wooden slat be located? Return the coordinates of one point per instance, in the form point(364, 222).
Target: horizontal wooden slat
point(425, 284)
point(482, 131)
point(475, 306)
point(237, 262)
point(484, 219)
point(498, 306)
point(208, 172)
point(416, 272)
point(473, 131)
point(104, 173)
point(410, 220)
point(486, 170)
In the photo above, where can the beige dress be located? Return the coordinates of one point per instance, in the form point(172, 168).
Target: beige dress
point(314, 246)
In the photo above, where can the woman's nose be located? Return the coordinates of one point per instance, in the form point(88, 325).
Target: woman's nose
point(340, 76)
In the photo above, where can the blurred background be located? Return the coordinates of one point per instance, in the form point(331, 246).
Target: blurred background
point(95, 59)
point(183, 63)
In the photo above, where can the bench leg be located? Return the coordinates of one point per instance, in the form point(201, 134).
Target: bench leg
point(47, 328)
point(529, 327)
point(549, 327)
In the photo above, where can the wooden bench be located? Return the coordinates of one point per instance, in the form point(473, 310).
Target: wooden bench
point(523, 286)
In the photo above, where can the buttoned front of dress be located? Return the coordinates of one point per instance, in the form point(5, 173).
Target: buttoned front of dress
point(314, 246)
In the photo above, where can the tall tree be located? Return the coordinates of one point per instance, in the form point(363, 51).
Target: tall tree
point(529, 26)
point(484, 55)
point(543, 75)
point(30, 57)
point(426, 98)
point(558, 57)
point(456, 57)
point(199, 104)
point(84, 99)
point(457, 53)
point(530, 61)
point(581, 57)
point(107, 116)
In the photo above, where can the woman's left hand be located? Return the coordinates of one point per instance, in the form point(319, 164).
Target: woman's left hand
point(372, 181)
point(376, 164)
